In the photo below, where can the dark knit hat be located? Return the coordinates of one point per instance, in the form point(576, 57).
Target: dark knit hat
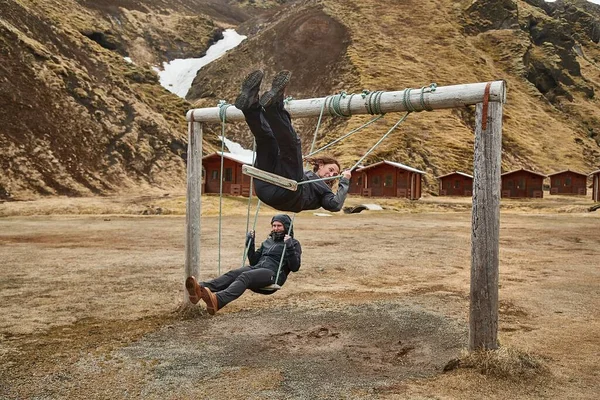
point(286, 221)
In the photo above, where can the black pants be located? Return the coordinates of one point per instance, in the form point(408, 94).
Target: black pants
point(278, 150)
point(234, 283)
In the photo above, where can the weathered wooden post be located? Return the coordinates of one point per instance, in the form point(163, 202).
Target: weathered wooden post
point(193, 203)
point(483, 319)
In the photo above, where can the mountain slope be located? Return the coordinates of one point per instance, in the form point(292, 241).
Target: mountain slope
point(77, 119)
point(552, 113)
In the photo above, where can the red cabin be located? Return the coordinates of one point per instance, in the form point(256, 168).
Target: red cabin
point(522, 183)
point(387, 179)
point(234, 182)
point(456, 184)
point(595, 185)
point(568, 182)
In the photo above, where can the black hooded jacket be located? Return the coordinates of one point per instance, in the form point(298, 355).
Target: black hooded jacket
point(269, 253)
point(309, 196)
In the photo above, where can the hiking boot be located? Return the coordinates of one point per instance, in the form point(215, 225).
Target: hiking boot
point(212, 304)
point(275, 94)
point(193, 289)
point(248, 96)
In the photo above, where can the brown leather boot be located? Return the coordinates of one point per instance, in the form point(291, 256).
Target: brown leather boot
point(212, 303)
point(193, 289)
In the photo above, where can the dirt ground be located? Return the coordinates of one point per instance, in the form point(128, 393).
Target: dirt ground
point(90, 293)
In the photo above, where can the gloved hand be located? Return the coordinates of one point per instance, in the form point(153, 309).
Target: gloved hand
point(250, 237)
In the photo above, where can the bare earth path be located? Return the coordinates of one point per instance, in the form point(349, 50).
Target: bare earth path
point(88, 309)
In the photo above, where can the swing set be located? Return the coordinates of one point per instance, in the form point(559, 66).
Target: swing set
point(488, 97)
point(332, 103)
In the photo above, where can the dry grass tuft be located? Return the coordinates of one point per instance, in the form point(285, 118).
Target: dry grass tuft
point(505, 363)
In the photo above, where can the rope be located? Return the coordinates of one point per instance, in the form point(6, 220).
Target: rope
point(247, 247)
point(364, 156)
point(223, 117)
point(333, 105)
point(345, 136)
point(424, 105)
point(381, 140)
point(283, 252)
point(334, 108)
point(312, 145)
point(373, 102)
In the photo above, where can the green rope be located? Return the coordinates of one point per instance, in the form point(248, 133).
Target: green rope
point(312, 146)
point(408, 106)
point(364, 156)
point(380, 140)
point(373, 102)
point(223, 117)
point(346, 135)
point(283, 252)
point(406, 100)
point(247, 247)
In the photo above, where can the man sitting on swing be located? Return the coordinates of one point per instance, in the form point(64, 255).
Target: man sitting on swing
point(280, 248)
point(279, 151)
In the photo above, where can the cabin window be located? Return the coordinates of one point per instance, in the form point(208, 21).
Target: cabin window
point(510, 183)
point(558, 182)
point(376, 181)
point(228, 175)
point(568, 182)
point(456, 184)
point(359, 181)
point(214, 175)
point(388, 180)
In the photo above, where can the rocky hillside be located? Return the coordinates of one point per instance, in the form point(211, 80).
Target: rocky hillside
point(76, 118)
point(548, 54)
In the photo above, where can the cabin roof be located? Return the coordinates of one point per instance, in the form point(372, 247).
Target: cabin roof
point(240, 158)
point(455, 172)
point(394, 164)
point(526, 170)
point(566, 170)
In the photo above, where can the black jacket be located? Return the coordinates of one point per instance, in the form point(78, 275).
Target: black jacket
point(269, 254)
point(311, 196)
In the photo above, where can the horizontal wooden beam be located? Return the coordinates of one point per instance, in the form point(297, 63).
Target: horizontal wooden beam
point(404, 100)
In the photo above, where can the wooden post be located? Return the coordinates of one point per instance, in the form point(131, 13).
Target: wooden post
point(193, 204)
point(483, 318)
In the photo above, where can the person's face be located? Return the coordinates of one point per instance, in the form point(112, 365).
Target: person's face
point(277, 226)
point(328, 170)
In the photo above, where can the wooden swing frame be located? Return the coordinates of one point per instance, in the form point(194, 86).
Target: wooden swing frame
point(488, 97)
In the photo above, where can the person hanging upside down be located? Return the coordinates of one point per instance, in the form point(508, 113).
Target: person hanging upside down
point(279, 151)
point(262, 271)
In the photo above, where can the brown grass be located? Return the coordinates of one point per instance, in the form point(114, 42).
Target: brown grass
point(505, 363)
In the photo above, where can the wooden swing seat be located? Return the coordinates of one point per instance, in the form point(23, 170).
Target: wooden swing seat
point(268, 177)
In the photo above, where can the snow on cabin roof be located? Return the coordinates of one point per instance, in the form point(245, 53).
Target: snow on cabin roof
point(241, 158)
point(523, 169)
point(594, 173)
point(455, 172)
point(392, 163)
point(566, 170)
